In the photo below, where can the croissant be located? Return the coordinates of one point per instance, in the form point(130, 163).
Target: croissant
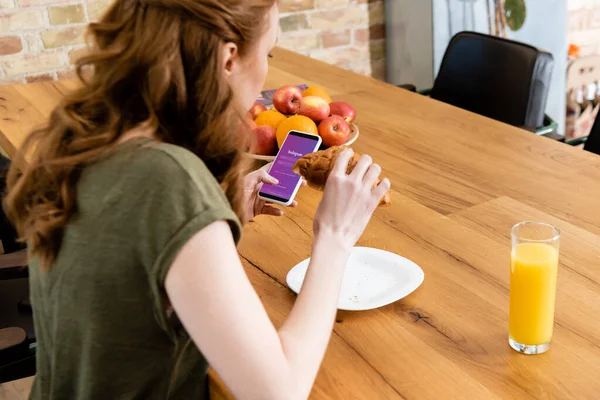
point(317, 166)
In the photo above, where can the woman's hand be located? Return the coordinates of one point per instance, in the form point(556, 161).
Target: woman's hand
point(255, 205)
point(349, 201)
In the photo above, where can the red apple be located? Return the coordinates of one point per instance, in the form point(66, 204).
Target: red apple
point(265, 140)
point(256, 109)
point(287, 100)
point(314, 108)
point(334, 131)
point(344, 110)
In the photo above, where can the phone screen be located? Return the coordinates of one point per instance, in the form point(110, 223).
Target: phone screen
point(296, 145)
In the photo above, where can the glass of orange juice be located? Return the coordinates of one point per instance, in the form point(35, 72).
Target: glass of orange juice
point(533, 272)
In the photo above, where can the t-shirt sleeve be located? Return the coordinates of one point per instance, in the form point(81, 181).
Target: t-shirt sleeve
point(177, 198)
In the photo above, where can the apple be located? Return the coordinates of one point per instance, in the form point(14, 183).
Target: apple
point(334, 131)
point(315, 108)
point(344, 110)
point(256, 109)
point(287, 100)
point(265, 143)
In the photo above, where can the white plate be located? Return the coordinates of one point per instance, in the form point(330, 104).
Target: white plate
point(373, 278)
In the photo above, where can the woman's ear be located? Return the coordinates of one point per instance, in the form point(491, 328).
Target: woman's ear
point(230, 56)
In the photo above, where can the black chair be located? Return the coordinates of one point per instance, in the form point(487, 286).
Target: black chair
point(17, 335)
point(7, 232)
point(409, 87)
point(498, 78)
point(592, 144)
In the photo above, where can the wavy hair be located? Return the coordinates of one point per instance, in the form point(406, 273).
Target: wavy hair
point(151, 62)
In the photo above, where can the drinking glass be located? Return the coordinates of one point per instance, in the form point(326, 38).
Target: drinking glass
point(533, 273)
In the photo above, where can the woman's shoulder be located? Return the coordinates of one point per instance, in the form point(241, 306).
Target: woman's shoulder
point(142, 168)
point(157, 161)
point(170, 158)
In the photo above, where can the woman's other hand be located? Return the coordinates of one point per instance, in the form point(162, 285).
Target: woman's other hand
point(255, 205)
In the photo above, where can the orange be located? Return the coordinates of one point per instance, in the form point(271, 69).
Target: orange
point(295, 123)
point(317, 91)
point(270, 118)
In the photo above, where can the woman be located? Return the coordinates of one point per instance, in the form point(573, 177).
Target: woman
point(131, 203)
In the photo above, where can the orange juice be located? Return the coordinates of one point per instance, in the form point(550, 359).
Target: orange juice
point(533, 273)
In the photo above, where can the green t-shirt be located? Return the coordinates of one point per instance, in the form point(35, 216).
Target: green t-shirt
point(103, 322)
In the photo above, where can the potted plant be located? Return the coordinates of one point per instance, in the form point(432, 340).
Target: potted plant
point(507, 13)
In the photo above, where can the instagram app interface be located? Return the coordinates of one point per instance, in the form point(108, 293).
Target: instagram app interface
point(294, 148)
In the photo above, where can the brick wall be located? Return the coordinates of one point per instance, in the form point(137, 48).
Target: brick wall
point(40, 38)
point(584, 25)
point(347, 33)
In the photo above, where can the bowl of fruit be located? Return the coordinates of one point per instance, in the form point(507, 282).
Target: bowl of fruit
point(293, 109)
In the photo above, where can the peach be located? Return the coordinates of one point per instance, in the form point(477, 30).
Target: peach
point(315, 108)
point(287, 100)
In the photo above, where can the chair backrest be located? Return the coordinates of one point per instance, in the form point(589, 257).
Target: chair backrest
point(592, 143)
point(8, 235)
point(17, 355)
point(498, 78)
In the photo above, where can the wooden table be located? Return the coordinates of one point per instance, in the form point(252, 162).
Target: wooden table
point(460, 181)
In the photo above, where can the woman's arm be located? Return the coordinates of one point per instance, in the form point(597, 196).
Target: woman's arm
point(216, 303)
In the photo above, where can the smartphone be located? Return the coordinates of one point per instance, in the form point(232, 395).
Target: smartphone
point(295, 146)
